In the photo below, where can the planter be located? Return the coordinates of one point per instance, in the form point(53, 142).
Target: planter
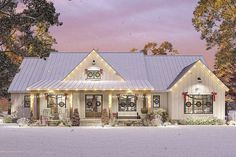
point(53, 122)
point(144, 110)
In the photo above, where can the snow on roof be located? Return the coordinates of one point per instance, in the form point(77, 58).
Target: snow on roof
point(159, 71)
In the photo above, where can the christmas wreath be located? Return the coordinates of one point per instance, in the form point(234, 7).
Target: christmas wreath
point(61, 104)
point(188, 104)
point(89, 104)
point(156, 101)
point(98, 103)
point(198, 104)
point(208, 104)
point(131, 104)
point(122, 104)
point(90, 74)
point(98, 74)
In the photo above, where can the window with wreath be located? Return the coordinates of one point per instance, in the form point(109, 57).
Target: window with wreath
point(127, 103)
point(94, 72)
point(198, 104)
point(27, 101)
point(55, 100)
point(156, 101)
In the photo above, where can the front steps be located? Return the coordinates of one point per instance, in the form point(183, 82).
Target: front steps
point(90, 122)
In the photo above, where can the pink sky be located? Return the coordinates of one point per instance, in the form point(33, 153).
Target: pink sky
point(119, 25)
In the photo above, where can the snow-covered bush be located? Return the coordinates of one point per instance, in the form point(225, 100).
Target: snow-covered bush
point(7, 119)
point(23, 122)
point(156, 121)
point(202, 121)
point(231, 122)
point(66, 122)
point(155, 118)
point(163, 113)
point(167, 124)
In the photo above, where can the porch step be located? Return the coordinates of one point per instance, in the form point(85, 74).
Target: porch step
point(90, 122)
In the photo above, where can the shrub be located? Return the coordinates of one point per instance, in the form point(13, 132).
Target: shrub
point(231, 122)
point(202, 121)
point(75, 118)
point(7, 119)
point(23, 122)
point(164, 114)
point(104, 117)
point(113, 121)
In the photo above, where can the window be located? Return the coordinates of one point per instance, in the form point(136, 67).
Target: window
point(127, 103)
point(56, 100)
point(198, 104)
point(156, 101)
point(27, 101)
point(93, 74)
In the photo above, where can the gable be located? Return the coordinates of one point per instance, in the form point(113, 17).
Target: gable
point(93, 64)
point(197, 75)
point(163, 70)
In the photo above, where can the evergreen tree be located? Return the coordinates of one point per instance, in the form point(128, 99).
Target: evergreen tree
point(75, 118)
point(105, 117)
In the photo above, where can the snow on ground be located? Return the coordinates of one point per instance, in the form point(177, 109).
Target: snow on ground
point(179, 141)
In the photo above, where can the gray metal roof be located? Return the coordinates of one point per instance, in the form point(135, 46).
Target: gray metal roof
point(159, 71)
point(163, 70)
point(89, 85)
point(31, 70)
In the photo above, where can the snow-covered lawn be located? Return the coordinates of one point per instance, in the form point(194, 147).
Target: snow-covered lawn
point(179, 141)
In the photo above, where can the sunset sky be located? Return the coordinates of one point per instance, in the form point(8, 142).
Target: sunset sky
point(119, 25)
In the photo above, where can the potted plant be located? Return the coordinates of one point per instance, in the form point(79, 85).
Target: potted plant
point(144, 110)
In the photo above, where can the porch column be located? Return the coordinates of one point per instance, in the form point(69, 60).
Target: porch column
point(71, 104)
point(110, 102)
point(149, 100)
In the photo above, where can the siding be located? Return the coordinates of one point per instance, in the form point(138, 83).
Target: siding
point(190, 84)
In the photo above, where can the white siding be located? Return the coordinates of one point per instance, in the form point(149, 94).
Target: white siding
point(190, 84)
point(17, 101)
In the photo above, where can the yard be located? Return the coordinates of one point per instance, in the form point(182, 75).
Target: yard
point(175, 141)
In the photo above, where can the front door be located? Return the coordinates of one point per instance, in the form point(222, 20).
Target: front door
point(93, 105)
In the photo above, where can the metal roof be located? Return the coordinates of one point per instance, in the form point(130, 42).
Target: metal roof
point(156, 72)
point(163, 70)
point(30, 71)
point(91, 85)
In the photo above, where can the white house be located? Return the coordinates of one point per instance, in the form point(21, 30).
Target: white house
point(121, 82)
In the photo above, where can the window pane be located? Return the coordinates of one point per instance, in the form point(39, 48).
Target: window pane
point(27, 101)
point(156, 101)
point(198, 104)
point(127, 103)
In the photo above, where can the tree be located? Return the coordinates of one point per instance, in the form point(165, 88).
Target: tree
point(75, 118)
point(151, 49)
point(104, 117)
point(216, 21)
point(24, 32)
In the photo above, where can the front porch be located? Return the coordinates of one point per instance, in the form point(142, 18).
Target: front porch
point(121, 104)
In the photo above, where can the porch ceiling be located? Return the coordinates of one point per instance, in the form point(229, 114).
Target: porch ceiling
point(91, 85)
